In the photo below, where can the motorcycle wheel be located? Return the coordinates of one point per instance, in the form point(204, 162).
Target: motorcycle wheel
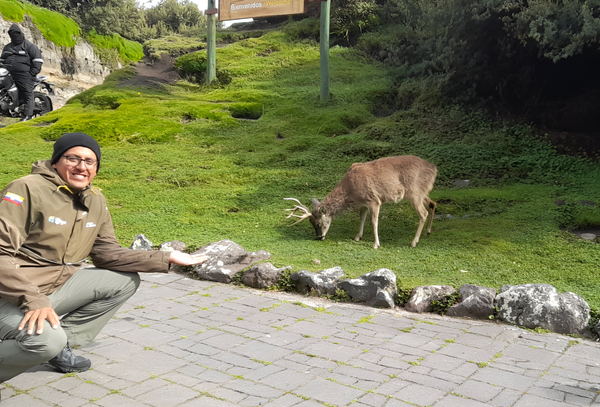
point(42, 104)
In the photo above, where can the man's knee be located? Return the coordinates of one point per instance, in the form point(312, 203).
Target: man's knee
point(41, 348)
point(135, 281)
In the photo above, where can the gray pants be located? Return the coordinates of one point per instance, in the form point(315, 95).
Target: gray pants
point(86, 303)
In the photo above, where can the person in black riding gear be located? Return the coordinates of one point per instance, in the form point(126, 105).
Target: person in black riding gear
point(23, 59)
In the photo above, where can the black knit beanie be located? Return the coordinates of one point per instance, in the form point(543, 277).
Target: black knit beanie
point(70, 140)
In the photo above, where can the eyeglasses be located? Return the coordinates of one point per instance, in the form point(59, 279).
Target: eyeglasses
point(75, 161)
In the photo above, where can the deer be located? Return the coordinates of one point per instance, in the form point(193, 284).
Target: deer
point(367, 186)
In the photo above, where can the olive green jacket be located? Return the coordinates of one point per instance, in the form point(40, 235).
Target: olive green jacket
point(47, 231)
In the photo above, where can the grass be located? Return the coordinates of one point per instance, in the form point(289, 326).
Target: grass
point(177, 166)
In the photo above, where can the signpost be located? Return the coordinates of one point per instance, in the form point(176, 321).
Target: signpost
point(238, 9)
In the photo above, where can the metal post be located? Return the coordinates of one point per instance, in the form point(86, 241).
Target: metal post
point(211, 44)
point(325, 8)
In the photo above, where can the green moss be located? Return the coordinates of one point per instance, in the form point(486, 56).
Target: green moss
point(128, 51)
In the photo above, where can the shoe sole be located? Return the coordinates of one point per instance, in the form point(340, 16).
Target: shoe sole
point(70, 369)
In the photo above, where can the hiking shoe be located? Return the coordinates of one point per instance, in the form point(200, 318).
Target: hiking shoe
point(67, 362)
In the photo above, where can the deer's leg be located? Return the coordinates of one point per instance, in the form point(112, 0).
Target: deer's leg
point(363, 217)
point(431, 206)
point(374, 220)
point(419, 206)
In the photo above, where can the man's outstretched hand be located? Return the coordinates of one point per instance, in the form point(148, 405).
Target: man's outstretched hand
point(185, 259)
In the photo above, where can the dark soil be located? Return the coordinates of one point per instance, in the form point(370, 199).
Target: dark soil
point(154, 75)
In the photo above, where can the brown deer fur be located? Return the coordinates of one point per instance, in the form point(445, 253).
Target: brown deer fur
point(368, 185)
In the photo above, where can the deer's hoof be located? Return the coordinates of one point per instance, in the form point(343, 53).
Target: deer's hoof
point(357, 239)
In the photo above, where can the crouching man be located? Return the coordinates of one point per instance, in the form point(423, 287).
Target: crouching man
point(50, 222)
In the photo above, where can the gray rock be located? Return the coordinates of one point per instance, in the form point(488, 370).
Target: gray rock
point(172, 246)
point(325, 282)
point(462, 182)
point(477, 302)
point(421, 297)
point(450, 217)
point(540, 305)
point(225, 259)
point(141, 242)
point(378, 288)
point(587, 203)
point(588, 236)
point(263, 275)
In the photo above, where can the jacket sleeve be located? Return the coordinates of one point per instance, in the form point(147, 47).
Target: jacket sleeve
point(36, 59)
point(15, 216)
point(109, 254)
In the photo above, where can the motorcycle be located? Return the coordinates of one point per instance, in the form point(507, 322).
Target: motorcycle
point(9, 95)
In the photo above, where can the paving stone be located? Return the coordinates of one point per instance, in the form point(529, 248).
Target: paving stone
point(454, 401)
point(476, 390)
point(467, 353)
point(23, 400)
point(169, 396)
point(254, 389)
point(88, 391)
point(535, 401)
point(144, 387)
point(506, 398)
point(205, 401)
point(331, 351)
point(419, 395)
point(442, 362)
point(504, 379)
point(287, 400)
point(118, 400)
point(58, 397)
point(359, 373)
point(392, 386)
point(327, 392)
point(373, 399)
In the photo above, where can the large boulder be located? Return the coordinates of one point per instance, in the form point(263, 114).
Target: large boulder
point(325, 282)
point(378, 288)
point(422, 297)
point(477, 302)
point(540, 305)
point(225, 259)
point(263, 275)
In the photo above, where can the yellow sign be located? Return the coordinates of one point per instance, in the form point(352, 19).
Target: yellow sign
point(236, 9)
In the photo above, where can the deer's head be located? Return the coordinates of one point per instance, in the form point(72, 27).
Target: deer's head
point(319, 217)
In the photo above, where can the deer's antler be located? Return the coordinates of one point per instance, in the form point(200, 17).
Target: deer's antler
point(306, 214)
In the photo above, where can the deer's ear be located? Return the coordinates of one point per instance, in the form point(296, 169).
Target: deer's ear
point(315, 202)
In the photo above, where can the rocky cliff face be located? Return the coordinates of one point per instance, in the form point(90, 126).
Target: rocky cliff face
point(72, 69)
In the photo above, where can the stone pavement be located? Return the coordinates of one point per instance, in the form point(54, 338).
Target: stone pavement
point(182, 342)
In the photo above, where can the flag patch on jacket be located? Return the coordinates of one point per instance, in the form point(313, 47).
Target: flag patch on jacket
point(14, 198)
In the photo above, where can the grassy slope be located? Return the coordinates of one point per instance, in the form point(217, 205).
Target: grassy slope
point(176, 166)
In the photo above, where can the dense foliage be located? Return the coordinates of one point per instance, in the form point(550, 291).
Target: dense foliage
point(129, 20)
point(520, 55)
